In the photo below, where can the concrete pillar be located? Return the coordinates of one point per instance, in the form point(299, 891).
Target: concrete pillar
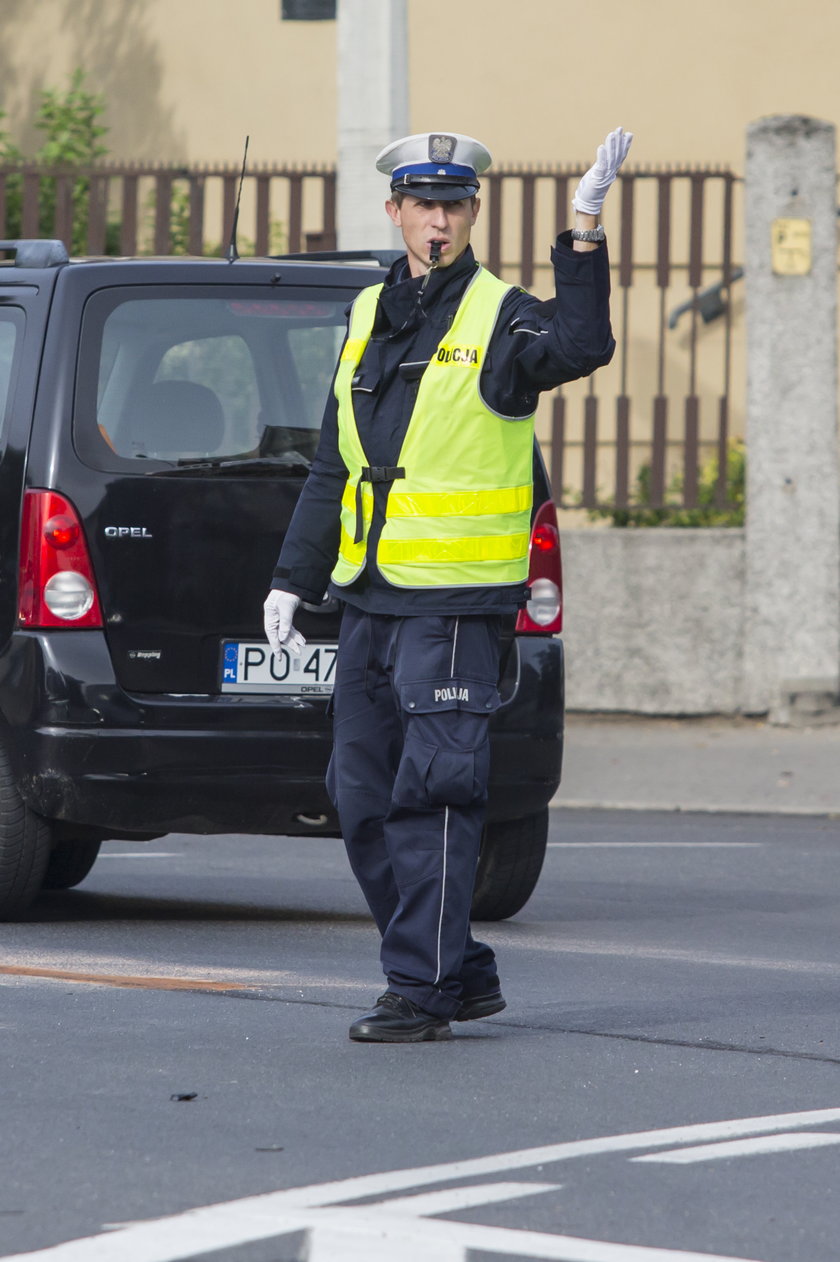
point(372, 111)
point(792, 625)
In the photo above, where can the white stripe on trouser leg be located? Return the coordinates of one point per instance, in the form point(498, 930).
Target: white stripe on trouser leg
point(454, 644)
point(442, 890)
point(445, 826)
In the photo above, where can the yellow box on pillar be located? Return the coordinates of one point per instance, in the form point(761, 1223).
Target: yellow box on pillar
point(791, 246)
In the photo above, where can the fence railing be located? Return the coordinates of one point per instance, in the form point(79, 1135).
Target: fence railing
point(133, 208)
point(655, 429)
point(649, 430)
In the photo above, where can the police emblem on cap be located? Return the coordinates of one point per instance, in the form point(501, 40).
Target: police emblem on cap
point(437, 166)
point(441, 148)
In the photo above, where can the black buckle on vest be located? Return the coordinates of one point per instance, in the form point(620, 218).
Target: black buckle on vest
point(372, 473)
point(380, 473)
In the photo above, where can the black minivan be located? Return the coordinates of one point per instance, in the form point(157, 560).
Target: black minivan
point(158, 420)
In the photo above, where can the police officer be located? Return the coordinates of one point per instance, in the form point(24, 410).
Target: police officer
point(416, 514)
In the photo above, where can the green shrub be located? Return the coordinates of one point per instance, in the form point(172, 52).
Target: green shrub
point(73, 137)
point(672, 513)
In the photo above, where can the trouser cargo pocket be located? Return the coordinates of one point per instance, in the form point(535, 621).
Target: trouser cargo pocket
point(446, 755)
point(433, 777)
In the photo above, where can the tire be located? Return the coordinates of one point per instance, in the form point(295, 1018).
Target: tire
point(69, 864)
point(24, 847)
point(509, 865)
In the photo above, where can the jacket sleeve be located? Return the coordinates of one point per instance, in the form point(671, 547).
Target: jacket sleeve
point(539, 345)
point(310, 548)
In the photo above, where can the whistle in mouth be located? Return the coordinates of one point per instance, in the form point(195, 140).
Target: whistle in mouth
point(434, 253)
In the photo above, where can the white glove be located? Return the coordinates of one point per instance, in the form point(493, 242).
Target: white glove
point(279, 610)
point(594, 185)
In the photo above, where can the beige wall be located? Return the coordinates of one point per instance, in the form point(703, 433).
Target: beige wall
point(538, 81)
point(186, 80)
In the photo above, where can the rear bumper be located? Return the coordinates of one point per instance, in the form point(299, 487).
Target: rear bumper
point(86, 752)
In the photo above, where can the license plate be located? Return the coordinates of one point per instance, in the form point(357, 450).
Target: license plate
point(250, 666)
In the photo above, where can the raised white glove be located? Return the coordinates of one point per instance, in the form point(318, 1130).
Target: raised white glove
point(594, 185)
point(279, 610)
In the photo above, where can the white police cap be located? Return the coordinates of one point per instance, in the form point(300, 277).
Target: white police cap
point(435, 166)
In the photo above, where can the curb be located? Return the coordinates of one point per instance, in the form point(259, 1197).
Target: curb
point(694, 808)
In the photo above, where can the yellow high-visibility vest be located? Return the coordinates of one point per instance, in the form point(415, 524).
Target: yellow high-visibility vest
point(458, 513)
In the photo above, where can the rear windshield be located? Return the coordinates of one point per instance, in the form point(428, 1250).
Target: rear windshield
point(225, 374)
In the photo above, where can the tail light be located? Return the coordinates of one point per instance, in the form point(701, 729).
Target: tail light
point(543, 614)
point(56, 584)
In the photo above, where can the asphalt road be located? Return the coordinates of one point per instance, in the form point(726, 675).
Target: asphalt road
point(664, 1084)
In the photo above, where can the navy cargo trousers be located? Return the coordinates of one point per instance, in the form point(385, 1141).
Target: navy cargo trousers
point(408, 776)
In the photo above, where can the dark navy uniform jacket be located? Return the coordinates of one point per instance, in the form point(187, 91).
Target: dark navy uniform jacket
point(535, 346)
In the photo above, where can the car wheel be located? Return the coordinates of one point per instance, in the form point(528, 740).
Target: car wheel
point(509, 865)
point(69, 864)
point(24, 847)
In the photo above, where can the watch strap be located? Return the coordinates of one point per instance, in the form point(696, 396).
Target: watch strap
point(589, 234)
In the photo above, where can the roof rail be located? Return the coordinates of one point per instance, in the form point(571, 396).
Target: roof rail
point(383, 257)
point(37, 253)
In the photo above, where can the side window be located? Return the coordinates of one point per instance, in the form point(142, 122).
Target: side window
point(11, 329)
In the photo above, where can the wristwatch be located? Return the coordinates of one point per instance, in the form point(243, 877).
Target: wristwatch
point(589, 234)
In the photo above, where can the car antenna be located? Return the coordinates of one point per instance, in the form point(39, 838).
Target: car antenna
point(232, 252)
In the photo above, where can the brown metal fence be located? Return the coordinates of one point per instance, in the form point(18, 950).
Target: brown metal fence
point(132, 208)
point(655, 429)
point(649, 429)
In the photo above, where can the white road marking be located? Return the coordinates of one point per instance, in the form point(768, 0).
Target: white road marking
point(364, 1235)
point(499, 934)
point(647, 845)
point(330, 1244)
point(355, 1234)
point(451, 1200)
point(744, 1147)
point(347, 1237)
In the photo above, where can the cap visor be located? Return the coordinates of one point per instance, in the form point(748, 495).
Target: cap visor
point(436, 192)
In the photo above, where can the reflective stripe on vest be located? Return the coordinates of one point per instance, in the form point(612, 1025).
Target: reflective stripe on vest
point(461, 515)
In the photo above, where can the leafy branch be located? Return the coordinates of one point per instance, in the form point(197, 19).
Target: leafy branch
point(73, 135)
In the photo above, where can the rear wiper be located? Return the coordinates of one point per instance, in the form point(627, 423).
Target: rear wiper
point(288, 465)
